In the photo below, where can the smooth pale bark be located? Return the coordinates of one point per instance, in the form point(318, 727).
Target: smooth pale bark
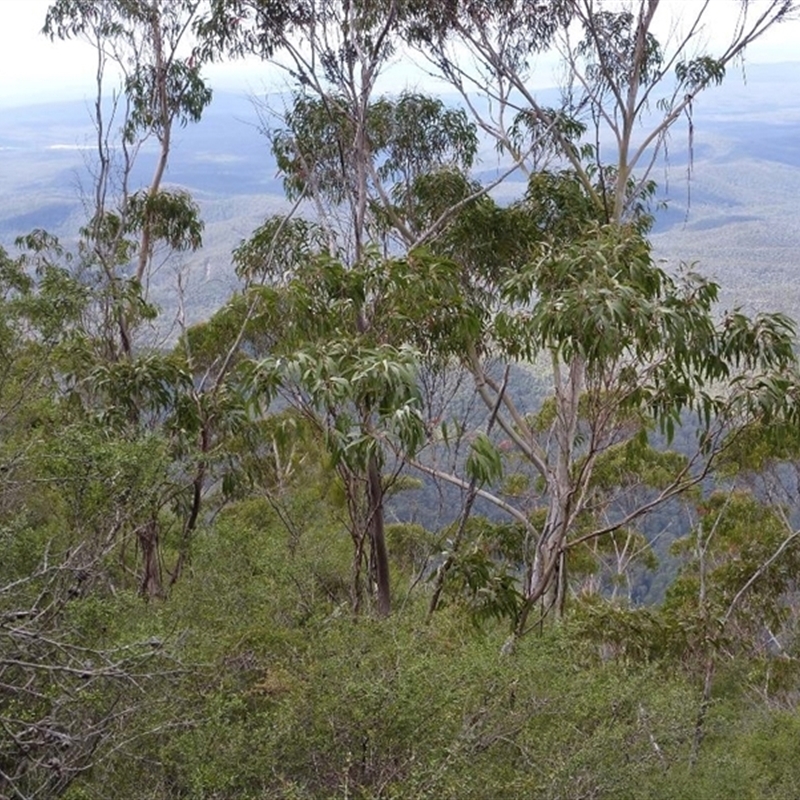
point(166, 117)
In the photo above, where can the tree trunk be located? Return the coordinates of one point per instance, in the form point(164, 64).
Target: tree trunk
point(151, 585)
point(380, 556)
point(194, 513)
point(702, 709)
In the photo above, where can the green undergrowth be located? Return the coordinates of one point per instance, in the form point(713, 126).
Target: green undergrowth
point(269, 688)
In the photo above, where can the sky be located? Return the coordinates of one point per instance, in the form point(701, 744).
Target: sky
point(35, 70)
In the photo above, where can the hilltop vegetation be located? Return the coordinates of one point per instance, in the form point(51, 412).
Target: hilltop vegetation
point(440, 484)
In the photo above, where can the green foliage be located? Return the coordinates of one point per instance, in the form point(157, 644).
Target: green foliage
point(559, 205)
point(610, 46)
point(172, 217)
point(407, 138)
point(279, 247)
point(159, 93)
point(248, 460)
point(130, 388)
point(280, 693)
point(484, 464)
point(410, 546)
point(734, 540)
point(418, 133)
point(422, 302)
point(700, 72)
point(380, 380)
point(635, 462)
point(482, 570)
point(544, 132)
point(758, 446)
point(627, 635)
point(527, 29)
point(308, 708)
point(104, 482)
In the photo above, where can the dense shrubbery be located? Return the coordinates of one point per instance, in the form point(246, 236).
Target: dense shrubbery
point(260, 684)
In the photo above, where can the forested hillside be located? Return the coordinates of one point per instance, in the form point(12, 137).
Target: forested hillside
point(440, 483)
point(733, 216)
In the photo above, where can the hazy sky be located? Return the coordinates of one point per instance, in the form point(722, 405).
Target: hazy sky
point(33, 69)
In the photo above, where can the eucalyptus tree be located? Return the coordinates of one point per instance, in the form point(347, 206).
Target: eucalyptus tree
point(148, 81)
point(630, 70)
point(523, 282)
point(348, 156)
point(583, 278)
point(631, 350)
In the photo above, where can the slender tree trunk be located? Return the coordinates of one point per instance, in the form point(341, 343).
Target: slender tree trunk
point(380, 556)
point(359, 524)
point(702, 710)
point(151, 585)
point(164, 138)
point(197, 500)
point(441, 574)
